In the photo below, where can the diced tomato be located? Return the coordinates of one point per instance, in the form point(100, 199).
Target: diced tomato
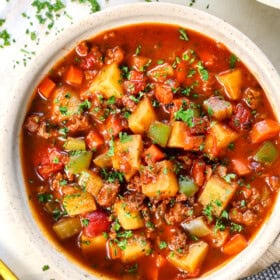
point(235, 245)
point(139, 62)
point(82, 49)
point(153, 154)
point(94, 140)
point(163, 93)
point(98, 222)
point(264, 130)
point(198, 172)
point(114, 125)
point(74, 76)
point(136, 82)
point(50, 161)
point(240, 166)
point(46, 87)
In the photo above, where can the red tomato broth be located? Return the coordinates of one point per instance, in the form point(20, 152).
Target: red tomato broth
point(159, 42)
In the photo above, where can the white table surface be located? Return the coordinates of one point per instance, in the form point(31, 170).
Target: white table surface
point(259, 22)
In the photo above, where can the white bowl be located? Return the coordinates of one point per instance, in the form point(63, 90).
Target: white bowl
point(11, 176)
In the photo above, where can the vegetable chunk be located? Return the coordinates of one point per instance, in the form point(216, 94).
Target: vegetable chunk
point(127, 155)
point(91, 182)
point(193, 260)
point(91, 244)
point(267, 153)
point(159, 132)
point(165, 184)
point(231, 81)
point(218, 108)
point(217, 193)
point(129, 219)
point(79, 203)
point(108, 82)
point(67, 227)
point(140, 119)
point(78, 161)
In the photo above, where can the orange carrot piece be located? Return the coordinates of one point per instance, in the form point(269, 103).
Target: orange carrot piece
point(264, 130)
point(74, 76)
point(193, 143)
point(46, 87)
point(240, 166)
point(235, 245)
point(154, 154)
point(94, 140)
point(113, 251)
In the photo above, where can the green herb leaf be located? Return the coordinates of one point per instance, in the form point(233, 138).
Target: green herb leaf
point(202, 71)
point(162, 245)
point(186, 116)
point(183, 34)
point(45, 267)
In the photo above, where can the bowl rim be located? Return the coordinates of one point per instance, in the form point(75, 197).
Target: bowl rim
point(121, 15)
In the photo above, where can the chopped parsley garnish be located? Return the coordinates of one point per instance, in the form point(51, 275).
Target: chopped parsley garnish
point(86, 105)
point(235, 227)
point(111, 151)
point(6, 38)
point(183, 34)
point(95, 7)
point(125, 234)
point(231, 146)
point(111, 100)
point(202, 71)
point(232, 60)
point(149, 224)
point(207, 211)
point(162, 245)
point(229, 177)
point(63, 110)
point(138, 50)
point(85, 222)
point(186, 116)
point(45, 197)
point(133, 268)
point(122, 244)
point(45, 267)
point(112, 176)
point(2, 21)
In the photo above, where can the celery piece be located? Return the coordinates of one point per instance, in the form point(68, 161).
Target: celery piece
point(74, 144)
point(78, 161)
point(159, 133)
point(187, 186)
point(267, 153)
point(67, 227)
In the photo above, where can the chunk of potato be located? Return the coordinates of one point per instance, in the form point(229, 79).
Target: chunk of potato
point(218, 108)
point(178, 135)
point(79, 203)
point(103, 160)
point(165, 184)
point(217, 238)
point(127, 155)
point(217, 193)
point(219, 136)
point(142, 117)
point(197, 227)
point(162, 72)
point(108, 82)
point(136, 247)
point(65, 104)
point(91, 244)
point(231, 82)
point(193, 260)
point(91, 182)
point(129, 219)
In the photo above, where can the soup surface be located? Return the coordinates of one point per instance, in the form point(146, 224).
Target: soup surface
point(151, 152)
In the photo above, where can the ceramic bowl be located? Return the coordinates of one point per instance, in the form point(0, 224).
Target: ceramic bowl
point(13, 115)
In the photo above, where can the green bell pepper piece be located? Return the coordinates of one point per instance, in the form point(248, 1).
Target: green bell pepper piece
point(74, 144)
point(267, 153)
point(159, 132)
point(78, 161)
point(187, 186)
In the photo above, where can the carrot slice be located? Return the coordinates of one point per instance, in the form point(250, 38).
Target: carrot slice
point(154, 154)
point(46, 87)
point(240, 166)
point(235, 245)
point(264, 130)
point(74, 76)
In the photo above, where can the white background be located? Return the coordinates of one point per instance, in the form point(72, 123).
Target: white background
point(259, 22)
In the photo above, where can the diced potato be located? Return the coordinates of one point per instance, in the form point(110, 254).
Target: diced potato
point(90, 181)
point(103, 160)
point(177, 138)
point(217, 193)
point(218, 108)
point(218, 137)
point(65, 104)
point(166, 183)
point(127, 155)
point(128, 219)
point(197, 227)
point(218, 238)
point(108, 82)
point(91, 244)
point(67, 227)
point(136, 247)
point(231, 81)
point(193, 260)
point(79, 203)
point(142, 117)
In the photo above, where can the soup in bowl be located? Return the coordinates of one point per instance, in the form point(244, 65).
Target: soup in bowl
point(151, 150)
